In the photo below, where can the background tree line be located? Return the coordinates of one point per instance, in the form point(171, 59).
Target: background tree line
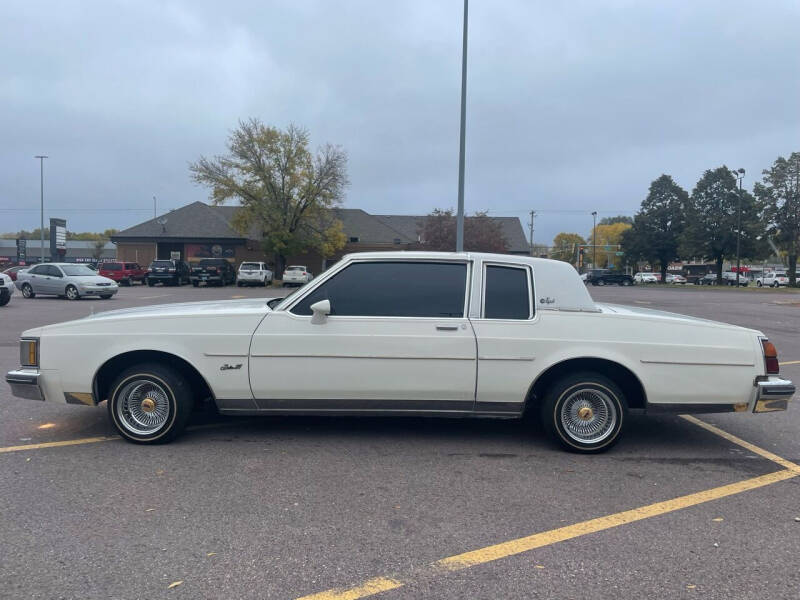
point(673, 224)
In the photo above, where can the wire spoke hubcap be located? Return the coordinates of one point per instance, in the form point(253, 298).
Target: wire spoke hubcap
point(143, 407)
point(588, 415)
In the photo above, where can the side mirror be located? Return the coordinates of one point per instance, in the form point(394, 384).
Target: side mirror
point(320, 311)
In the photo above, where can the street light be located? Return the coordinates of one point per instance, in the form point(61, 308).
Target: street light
point(460, 214)
point(739, 176)
point(41, 158)
point(594, 239)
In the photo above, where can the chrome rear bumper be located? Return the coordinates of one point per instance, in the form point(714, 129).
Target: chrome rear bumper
point(25, 384)
point(773, 394)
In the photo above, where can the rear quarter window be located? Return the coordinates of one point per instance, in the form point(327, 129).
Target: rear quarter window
point(507, 293)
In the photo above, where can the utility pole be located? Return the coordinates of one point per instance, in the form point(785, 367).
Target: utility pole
point(533, 214)
point(460, 215)
point(154, 207)
point(739, 175)
point(41, 158)
point(594, 239)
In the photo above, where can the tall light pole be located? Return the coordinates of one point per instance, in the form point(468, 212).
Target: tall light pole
point(154, 207)
point(739, 175)
point(41, 158)
point(594, 239)
point(460, 215)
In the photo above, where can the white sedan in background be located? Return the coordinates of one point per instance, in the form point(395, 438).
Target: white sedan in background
point(476, 335)
point(253, 273)
point(675, 278)
point(773, 279)
point(296, 275)
point(645, 278)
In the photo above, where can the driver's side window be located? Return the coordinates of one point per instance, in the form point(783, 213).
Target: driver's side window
point(53, 271)
point(393, 289)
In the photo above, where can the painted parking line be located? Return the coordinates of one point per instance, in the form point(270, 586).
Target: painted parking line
point(93, 440)
point(547, 538)
point(89, 440)
point(789, 362)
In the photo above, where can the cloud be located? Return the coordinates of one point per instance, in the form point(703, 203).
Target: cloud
point(573, 106)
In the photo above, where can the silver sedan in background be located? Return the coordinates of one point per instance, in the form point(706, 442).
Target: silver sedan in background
point(64, 279)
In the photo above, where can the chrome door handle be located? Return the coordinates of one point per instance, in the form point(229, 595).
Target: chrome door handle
point(447, 328)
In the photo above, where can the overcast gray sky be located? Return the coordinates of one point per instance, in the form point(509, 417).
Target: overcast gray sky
point(572, 107)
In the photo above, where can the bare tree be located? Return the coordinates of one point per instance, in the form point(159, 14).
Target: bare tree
point(285, 191)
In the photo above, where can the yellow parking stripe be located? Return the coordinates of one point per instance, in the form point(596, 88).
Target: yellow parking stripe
point(368, 588)
point(786, 464)
point(554, 536)
point(790, 362)
point(90, 440)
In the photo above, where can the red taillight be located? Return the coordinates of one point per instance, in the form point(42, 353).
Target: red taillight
point(770, 357)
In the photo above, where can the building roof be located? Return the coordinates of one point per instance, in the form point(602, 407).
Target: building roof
point(201, 221)
point(197, 220)
point(410, 225)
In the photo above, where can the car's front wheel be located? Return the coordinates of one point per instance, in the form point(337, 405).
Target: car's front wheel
point(150, 403)
point(71, 292)
point(584, 412)
point(27, 291)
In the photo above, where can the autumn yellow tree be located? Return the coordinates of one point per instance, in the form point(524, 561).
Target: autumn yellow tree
point(608, 239)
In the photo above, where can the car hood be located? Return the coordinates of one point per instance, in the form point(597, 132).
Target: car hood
point(257, 307)
point(216, 307)
point(662, 315)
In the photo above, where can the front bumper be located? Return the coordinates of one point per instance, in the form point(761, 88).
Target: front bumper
point(25, 384)
point(96, 290)
point(773, 394)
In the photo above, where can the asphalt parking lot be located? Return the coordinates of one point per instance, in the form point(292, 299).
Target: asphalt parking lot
point(404, 508)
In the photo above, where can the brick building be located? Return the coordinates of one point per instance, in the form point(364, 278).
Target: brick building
point(198, 231)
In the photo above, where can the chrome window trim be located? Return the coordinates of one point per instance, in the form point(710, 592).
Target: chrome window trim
point(345, 264)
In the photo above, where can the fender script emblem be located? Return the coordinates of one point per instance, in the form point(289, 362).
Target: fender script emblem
point(547, 300)
point(227, 367)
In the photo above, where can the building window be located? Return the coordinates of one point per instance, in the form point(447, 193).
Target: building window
point(353, 240)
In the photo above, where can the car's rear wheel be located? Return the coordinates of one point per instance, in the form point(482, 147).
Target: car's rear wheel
point(150, 403)
point(27, 291)
point(71, 292)
point(584, 412)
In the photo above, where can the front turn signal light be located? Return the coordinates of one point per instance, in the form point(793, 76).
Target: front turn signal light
point(29, 352)
point(770, 357)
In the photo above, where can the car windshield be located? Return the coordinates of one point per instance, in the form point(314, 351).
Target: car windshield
point(251, 266)
point(78, 271)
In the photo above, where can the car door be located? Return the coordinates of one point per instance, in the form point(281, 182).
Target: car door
point(55, 280)
point(505, 323)
point(40, 279)
point(397, 339)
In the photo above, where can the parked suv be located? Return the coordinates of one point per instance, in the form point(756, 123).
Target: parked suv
point(6, 289)
point(168, 272)
point(296, 275)
point(253, 273)
point(611, 278)
point(216, 271)
point(774, 279)
point(124, 273)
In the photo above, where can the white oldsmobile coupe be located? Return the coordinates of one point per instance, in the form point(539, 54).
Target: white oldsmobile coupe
point(405, 333)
